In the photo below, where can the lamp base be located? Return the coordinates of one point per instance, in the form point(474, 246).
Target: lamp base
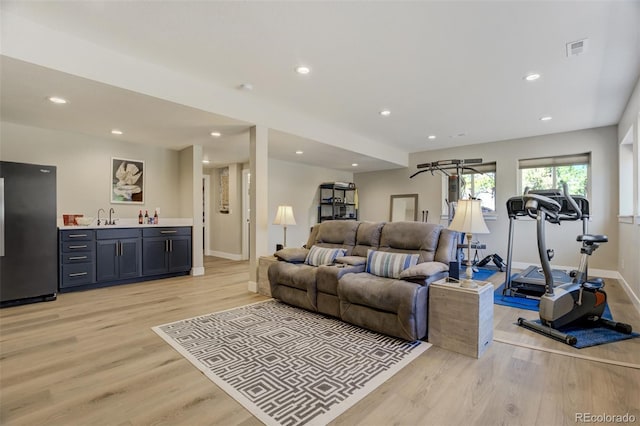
point(467, 283)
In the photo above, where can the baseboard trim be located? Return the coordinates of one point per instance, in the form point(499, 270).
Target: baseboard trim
point(253, 286)
point(224, 255)
point(635, 301)
point(603, 273)
point(196, 271)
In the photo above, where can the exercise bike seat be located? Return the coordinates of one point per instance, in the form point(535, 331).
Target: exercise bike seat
point(590, 238)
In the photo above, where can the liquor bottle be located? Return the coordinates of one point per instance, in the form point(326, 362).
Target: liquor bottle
point(155, 218)
point(146, 216)
point(140, 218)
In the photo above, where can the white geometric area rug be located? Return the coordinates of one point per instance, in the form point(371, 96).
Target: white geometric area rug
point(288, 366)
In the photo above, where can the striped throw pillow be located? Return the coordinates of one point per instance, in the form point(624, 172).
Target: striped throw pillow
point(323, 256)
point(390, 265)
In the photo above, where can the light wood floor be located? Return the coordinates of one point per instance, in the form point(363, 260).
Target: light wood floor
point(90, 358)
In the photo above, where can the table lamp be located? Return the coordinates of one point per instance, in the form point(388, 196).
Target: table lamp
point(468, 219)
point(284, 217)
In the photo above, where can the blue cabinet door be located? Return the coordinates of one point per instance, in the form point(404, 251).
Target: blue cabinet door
point(155, 256)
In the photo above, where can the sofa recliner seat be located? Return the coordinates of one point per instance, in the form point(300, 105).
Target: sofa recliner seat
point(397, 307)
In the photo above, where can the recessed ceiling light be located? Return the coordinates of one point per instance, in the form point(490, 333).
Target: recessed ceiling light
point(354, 164)
point(303, 70)
point(431, 137)
point(116, 132)
point(216, 134)
point(205, 161)
point(385, 113)
point(57, 100)
point(546, 118)
point(532, 77)
point(299, 152)
point(459, 135)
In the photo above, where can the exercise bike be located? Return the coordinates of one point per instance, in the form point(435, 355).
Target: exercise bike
point(580, 301)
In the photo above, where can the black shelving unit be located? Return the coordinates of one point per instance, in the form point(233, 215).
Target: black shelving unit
point(337, 202)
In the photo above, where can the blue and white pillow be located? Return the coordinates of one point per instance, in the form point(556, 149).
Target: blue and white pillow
point(323, 256)
point(389, 265)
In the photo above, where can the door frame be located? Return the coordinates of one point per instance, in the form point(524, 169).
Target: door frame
point(206, 204)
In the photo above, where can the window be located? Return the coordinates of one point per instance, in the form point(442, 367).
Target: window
point(550, 172)
point(480, 185)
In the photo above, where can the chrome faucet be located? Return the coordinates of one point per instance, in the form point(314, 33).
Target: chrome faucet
point(111, 222)
point(99, 210)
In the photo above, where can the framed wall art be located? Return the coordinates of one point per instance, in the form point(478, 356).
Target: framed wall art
point(127, 181)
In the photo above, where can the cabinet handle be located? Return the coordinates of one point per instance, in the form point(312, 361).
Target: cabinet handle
point(119, 249)
point(77, 257)
point(78, 247)
point(166, 245)
point(171, 245)
point(77, 235)
point(168, 232)
point(78, 274)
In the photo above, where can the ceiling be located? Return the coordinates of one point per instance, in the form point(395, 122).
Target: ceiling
point(450, 69)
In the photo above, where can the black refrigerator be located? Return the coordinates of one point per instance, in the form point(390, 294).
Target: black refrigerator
point(28, 233)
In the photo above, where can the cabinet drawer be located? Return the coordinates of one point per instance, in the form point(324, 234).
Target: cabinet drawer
point(80, 257)
point(166, 232)
point(77, 246)
point(79, 235)
point(116, 234)
point(77, 274)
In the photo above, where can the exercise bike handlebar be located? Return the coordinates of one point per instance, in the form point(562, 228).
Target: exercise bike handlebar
point(552, 208)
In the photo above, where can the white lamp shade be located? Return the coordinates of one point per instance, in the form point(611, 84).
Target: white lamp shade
point(284, 216)
point(468, 218)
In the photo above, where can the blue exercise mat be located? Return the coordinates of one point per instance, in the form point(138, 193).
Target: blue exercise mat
point(585, 334)
point(482, 275)
point(514, 301)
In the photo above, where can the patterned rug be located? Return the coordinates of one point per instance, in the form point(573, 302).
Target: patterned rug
point(288, 366)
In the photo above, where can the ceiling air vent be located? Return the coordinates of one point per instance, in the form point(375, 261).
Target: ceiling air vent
point(578, 47)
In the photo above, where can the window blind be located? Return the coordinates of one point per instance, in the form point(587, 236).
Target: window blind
point(561, 160)
point(481, 168)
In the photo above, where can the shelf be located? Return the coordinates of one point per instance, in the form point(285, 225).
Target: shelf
point(337, 202)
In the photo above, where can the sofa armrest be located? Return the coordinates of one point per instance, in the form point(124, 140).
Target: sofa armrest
point(292, 254)
point(352, 260)
point(425, 272)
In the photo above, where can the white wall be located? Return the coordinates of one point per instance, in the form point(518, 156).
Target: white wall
point(84, 169)
point(297, 185)
point(375, 189)
point(629, 231)
point(191, 201)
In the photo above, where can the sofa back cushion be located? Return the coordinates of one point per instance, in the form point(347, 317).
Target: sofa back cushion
point(312, 236)
point(389, 265)
point(411, 237)
point(319, 256)
point(367, 237)
point(447, 246)
point(337, 234)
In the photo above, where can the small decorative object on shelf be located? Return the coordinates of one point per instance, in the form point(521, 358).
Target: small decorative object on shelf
point(338, 201)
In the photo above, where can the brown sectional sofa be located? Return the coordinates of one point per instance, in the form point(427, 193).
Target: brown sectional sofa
point(393, 306)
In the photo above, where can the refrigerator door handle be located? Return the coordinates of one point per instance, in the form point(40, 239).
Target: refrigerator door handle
point(1, 217)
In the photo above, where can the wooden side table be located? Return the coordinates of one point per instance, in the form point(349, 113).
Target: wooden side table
point(263, 278)
point(461, 319)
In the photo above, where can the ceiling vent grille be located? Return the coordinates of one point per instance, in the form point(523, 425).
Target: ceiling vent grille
point(577, 47)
